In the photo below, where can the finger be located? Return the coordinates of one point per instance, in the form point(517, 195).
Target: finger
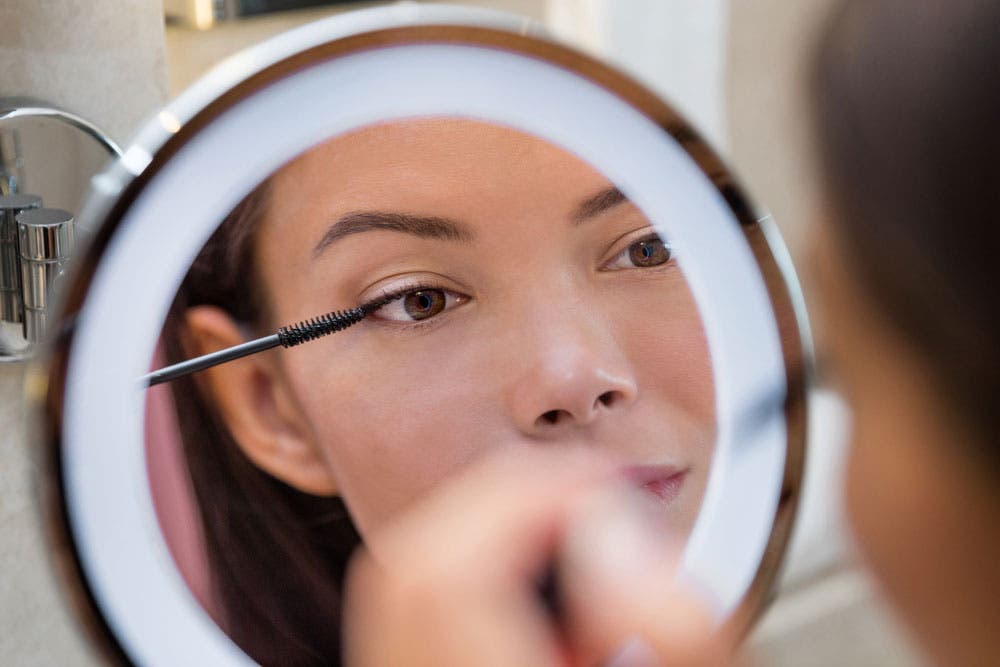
point(624, 601)
point(460, 567)
point(436, 624)
point(514, 504)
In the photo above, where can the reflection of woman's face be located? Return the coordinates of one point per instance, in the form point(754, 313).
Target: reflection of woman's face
point(547, 314)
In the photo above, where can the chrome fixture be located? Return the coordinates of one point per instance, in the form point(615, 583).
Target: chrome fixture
point(47, 158)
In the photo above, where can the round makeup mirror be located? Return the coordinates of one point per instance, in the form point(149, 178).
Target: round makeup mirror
point(527, 218)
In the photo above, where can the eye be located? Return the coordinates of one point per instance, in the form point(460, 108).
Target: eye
point(425, 303)
point(419, 304)
point(647, 252)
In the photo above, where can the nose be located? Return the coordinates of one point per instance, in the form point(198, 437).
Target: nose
point(574, 375)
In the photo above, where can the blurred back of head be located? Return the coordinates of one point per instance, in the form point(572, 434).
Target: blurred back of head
point(907, 96)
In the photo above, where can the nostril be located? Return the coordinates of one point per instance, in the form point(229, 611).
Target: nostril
point(551, 417)
point(608, 398)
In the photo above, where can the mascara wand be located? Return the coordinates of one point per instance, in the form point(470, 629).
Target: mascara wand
point(290, 336)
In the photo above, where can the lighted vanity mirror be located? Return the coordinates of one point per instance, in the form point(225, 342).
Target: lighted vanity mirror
point(556, 257)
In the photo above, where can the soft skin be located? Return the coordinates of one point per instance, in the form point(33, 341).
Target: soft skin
point(551, 335)
point(918, 504)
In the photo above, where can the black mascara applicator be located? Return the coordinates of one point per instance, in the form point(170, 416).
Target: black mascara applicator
point(288, 336)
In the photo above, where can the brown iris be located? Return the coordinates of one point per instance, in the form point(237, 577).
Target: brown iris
point(424, 303)
point(649, 252)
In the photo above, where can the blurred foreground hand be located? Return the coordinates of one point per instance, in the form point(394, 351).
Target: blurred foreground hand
point(456, 580)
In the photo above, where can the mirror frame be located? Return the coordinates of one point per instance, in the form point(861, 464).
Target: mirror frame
point(116, 190)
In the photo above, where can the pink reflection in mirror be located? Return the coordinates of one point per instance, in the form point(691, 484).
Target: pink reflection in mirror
point(172, 492)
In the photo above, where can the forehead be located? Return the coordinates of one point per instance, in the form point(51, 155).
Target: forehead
point(416, 158)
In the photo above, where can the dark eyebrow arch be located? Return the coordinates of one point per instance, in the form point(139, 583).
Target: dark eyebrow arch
point(599, 203)
point(427, 227)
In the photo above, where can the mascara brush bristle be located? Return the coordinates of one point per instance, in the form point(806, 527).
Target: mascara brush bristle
point(317, 327)
point(307, 330)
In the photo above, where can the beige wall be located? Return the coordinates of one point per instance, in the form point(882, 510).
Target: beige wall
point(191, 52)
point(104, 60)
point(768, 49)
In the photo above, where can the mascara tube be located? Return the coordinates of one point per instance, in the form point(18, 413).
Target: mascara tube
point(45, 240)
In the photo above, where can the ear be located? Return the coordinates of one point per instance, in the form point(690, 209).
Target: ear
point(258, 406)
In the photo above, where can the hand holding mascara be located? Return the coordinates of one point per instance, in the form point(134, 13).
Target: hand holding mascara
point(287, 336)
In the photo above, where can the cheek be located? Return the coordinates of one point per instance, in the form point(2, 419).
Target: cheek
point(668, 351)
point(666, 344)
point(397, 424)
point(899, 498)
point(875, 482)
point(861, 486)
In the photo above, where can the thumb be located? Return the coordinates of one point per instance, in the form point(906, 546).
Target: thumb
point(624, 602)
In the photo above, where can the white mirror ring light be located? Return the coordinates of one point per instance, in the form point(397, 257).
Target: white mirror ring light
point(201, 155)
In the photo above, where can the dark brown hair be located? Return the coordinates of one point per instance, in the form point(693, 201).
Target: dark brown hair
point(276, 556)
point(907, 109)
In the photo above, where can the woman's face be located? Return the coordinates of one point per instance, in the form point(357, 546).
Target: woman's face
point(543, 312)
point(917, 501)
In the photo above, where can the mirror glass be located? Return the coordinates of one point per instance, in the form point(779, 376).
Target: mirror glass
point(534, 305)
point(567, 261)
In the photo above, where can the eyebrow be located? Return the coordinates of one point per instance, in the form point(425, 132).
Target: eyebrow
point(599, 203)
point(427, 227)
point(442, 229)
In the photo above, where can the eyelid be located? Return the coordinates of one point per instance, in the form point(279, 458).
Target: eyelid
point(408, 282)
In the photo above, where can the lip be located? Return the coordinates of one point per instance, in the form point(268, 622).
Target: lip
point(663, 482)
